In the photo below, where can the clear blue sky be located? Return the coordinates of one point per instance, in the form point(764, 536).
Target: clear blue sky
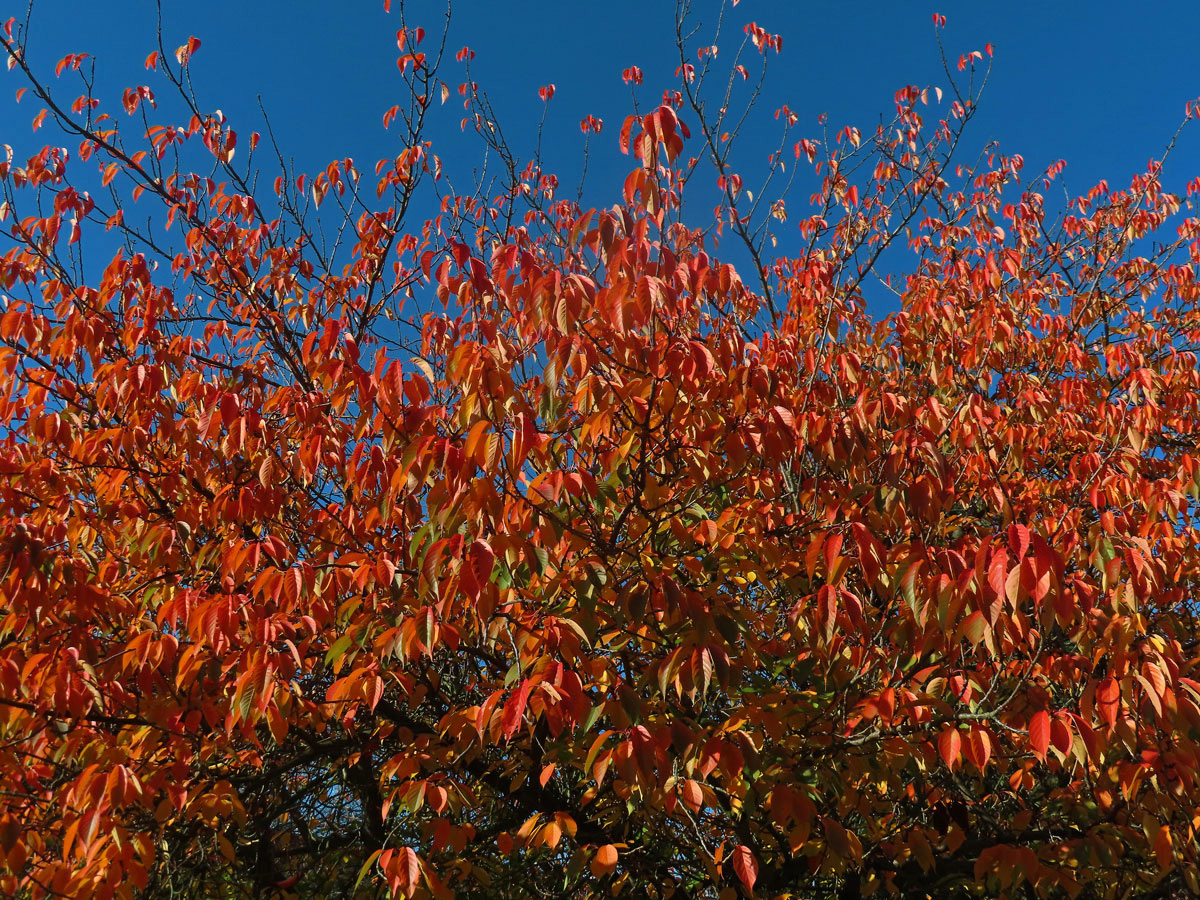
point(1101, 84)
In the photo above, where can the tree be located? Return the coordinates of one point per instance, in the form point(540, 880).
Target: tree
point(528, 550)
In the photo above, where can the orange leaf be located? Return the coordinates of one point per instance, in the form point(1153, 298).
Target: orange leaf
point(1163, 847)
point(692, 795)
point(407, 868)
point(950, 746)
point(1108, 700)
point(979, 746)
point(605, 861)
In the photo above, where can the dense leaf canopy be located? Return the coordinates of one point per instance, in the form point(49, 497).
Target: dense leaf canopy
point(523, 550)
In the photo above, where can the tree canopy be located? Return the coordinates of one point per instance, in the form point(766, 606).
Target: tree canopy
point(379, 533)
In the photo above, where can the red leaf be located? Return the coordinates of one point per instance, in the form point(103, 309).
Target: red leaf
point(625, 132)
point(1018, 540)
point(1039, 733)
point(1060, 735)
point(481, 559)
point(184, 53)
point(514, 709)
point(745, 865)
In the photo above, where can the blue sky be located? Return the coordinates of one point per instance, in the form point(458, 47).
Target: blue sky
point(1101, 84)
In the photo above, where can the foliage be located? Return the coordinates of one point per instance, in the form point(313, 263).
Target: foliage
point(529, 551)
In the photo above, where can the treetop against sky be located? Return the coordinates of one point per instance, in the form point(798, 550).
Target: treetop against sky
point(1096, 84)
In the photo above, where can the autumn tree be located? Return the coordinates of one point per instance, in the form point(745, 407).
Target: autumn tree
point(508, 548)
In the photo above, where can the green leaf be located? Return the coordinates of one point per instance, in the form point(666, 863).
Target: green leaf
point(339, 648)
